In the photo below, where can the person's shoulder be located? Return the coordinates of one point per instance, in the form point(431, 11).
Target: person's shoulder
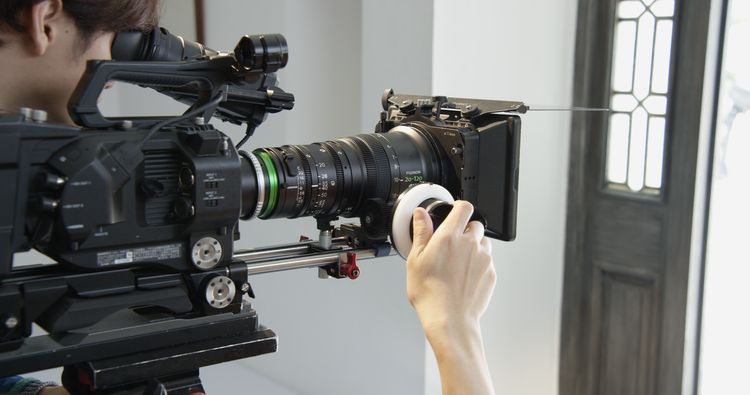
point(7, 383)
point(22, 385)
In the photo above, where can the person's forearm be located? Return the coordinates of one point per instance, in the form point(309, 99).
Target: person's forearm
point(460, 355)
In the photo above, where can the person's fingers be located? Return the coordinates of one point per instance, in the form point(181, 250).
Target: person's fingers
point(475, 230)
point(422, 225)
point(486, 244)
point(459, 216)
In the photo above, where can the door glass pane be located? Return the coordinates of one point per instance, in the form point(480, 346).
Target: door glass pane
point(630, 9)
point(663, 8)
point(622, 78)
point(725, 326)
point(656, 104)
point(640, 82)
point(617, 161)
point(655, 152)
point(644, 50)
point(636, 156)
point(624, 103)
point(662, 44)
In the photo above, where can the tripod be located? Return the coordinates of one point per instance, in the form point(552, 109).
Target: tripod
point(150, 358)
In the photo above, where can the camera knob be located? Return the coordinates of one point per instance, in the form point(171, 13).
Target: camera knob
point(183, 208)
point(410, 199)
point(469, 111)
point(350, 268)
point(385, 99)
point(439, 211)
point(407, 107)
point(186, 178)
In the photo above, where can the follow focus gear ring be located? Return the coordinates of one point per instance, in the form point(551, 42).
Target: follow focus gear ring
point(409, 200)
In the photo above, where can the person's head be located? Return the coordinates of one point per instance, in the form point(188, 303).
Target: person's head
point(44, 46)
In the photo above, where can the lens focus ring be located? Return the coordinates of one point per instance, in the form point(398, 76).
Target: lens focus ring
point(383, 174)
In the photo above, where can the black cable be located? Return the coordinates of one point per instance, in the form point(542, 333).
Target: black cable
point(243, 141)
point(215, 101)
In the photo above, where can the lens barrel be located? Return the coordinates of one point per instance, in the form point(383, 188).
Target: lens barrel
point(340, 177)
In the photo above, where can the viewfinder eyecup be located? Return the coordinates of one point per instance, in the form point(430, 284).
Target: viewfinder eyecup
point(158, 45)
point(267, 52)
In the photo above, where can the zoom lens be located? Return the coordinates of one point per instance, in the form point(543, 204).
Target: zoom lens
point(339, 177)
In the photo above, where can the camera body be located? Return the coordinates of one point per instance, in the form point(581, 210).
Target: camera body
point(94, 199)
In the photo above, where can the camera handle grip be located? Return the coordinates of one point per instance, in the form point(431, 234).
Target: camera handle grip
point(207, 77)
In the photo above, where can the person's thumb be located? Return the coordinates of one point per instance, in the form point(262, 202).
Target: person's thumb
point(422, 225)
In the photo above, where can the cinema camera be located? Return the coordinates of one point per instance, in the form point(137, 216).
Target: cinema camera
point(141, 213)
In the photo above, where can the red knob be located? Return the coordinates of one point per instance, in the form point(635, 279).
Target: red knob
point(350, 268)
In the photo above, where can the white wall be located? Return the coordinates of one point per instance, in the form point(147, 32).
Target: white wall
point(335, 336)
point(396, 52)
point(519, 50)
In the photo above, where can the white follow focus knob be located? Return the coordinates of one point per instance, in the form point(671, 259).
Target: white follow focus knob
point(409, 200)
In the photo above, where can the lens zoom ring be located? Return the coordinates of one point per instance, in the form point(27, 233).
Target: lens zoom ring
point(308, 183)
point(382, 172)
point(338, 165)
point(302, 194)
point(369, 162)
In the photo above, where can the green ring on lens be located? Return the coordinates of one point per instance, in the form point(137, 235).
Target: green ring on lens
point(273, 183)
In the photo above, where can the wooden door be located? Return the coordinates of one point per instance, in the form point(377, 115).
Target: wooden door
point(629, 223)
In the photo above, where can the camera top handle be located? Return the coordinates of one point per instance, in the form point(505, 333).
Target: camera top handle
point(199, 76)
point(190, 73)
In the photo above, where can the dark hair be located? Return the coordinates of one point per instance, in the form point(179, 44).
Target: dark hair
point(92, 16)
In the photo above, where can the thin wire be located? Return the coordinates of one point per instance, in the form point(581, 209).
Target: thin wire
point(243, 141)
point(533, 108)
point(215, 101)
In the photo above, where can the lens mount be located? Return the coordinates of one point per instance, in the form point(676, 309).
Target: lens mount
point(273, 184)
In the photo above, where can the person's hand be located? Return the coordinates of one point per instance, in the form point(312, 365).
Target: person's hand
point(449, 280)
point(450, 275)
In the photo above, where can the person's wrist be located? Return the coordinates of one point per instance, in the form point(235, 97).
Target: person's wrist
point(449, 333)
